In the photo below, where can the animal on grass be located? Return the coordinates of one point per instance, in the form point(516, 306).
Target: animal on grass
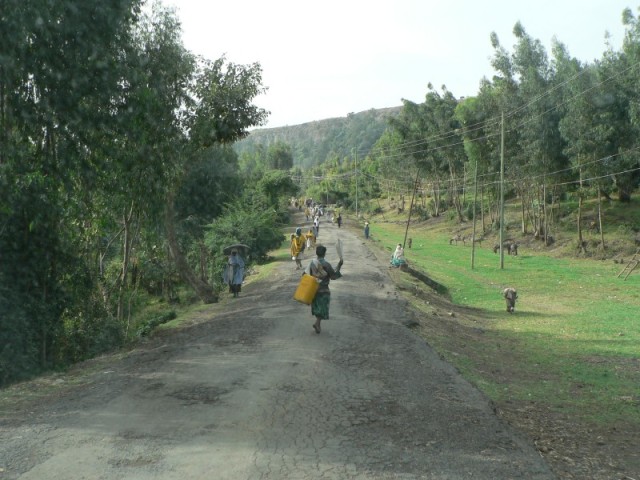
point(510, 295)
point(509, 246)
point(457, 238)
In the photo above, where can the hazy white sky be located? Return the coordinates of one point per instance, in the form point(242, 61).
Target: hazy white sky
point(328, 59)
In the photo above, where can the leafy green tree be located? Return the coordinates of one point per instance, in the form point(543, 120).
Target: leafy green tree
point(59, 77)
point(279, 156)
point(220, 112)
point(477, 117)
point(252, 162)
point(430, 134)
point(621, 71)
point(211, 182)
point(247, 222)
point(277, 187)
point(540, 141)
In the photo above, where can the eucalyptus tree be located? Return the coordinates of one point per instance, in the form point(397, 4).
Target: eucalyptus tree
point(586, 129)
point(623, 71)
point(446, 146)
point(276, 186)
point(144, 145)
point(219, 112)
point(428, 133)
point(509, 103)
point(391, 161)
point(479, 120)
point(540, 139)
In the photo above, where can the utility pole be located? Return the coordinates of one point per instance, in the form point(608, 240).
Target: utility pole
point(475, 202)
point(502, 192)
point(355, 154)
point(413, 196)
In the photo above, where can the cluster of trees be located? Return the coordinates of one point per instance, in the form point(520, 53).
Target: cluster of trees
point(117, 176)
point(570, 129)
point(312, 144)
point(562, 125)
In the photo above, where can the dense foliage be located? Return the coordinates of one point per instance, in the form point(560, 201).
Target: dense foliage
point(114, 161)
point(123, 169)
point(311, 144)
point(566, 130)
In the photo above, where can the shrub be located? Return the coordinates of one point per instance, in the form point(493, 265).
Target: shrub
point(153, 322)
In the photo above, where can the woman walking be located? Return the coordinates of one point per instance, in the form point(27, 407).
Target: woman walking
point(322, 270)
point(234, 273)
point(298, 243)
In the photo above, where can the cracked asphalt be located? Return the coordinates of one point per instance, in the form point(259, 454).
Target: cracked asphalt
point(251, 392)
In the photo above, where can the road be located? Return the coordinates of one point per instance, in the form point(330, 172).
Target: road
point(253, 393)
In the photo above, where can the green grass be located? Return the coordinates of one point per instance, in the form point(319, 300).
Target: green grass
point(573, 342)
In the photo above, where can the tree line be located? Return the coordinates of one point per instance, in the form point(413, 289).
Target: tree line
point(567, 129)
point(118, 182)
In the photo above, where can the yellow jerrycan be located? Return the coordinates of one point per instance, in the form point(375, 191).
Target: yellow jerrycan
point(307, 289)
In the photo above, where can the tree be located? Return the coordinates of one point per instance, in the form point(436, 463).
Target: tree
point(276, 186)
point(477, 117)
point(219, 113)
point(279, 156)
point(60, 77)
point(540, 140)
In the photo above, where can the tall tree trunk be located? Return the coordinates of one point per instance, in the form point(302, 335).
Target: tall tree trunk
point(435, 188)
point(545, 217)
point(205, 292)
point(3, 119)
point(523, 212)
point(484, 226)
point(600, 220)
point(126, 255)
point(581, 244)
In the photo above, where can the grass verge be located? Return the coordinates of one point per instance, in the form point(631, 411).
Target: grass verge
point(571, 346)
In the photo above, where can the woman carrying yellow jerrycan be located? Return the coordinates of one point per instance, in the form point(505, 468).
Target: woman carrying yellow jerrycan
point(318, 274)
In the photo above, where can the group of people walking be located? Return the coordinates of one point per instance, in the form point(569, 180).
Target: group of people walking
point(319, 267)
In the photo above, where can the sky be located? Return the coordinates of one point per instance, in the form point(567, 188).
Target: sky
point(329, 59)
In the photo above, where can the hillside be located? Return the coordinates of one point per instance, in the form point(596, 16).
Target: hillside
point(314, 142)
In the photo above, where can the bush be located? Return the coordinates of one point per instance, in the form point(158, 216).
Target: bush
point(18, 355)
point(153, 322)
point(256, 227)
point(468, 210)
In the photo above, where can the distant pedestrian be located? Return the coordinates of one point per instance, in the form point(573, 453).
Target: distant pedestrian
point(322, 270)
point(234, 273)
point(398, 260)
point(311, 238)
point(339, 220)
point(366, 230)
point(298, 244)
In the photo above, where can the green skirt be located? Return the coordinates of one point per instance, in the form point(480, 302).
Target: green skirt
point(320, 305)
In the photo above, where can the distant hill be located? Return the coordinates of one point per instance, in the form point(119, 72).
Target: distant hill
point(313, 143)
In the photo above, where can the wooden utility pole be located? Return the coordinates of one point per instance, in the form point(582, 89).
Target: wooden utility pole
point(502, 192)
point(415, 187)
point(475, 201)
point(355, 155)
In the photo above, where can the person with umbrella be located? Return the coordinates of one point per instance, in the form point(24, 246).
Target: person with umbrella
point(234, 271)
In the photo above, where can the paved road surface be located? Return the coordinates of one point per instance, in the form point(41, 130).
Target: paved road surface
point(254, 393)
